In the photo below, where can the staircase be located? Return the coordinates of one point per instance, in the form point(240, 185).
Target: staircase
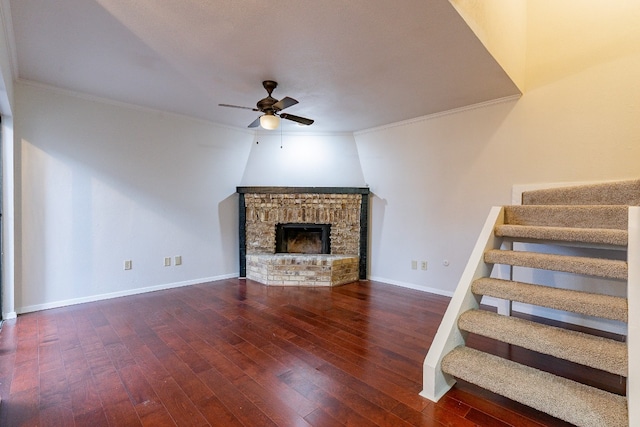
point(590, 231)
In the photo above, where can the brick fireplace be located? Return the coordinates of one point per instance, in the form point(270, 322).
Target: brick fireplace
point(341, 213)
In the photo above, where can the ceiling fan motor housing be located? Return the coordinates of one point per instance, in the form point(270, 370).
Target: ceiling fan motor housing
point(266, 105)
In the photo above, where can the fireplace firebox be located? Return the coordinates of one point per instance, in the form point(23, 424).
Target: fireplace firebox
point(303, 238)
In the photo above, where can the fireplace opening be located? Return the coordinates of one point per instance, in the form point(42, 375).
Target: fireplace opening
point(303, 238)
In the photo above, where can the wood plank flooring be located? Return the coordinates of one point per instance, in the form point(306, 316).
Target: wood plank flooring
point(237, 353)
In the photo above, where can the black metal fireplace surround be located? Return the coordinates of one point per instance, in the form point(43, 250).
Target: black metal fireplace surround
point(364, 217)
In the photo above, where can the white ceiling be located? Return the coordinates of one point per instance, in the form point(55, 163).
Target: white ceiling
point(352, 65)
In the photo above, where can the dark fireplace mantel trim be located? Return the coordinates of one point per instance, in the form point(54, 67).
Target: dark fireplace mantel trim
point(364, 216)
point(305, 190)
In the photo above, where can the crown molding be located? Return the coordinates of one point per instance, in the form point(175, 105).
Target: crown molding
point(108, 101)
point(440, 114)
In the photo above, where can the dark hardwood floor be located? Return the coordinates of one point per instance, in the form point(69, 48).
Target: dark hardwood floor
point(237, 353)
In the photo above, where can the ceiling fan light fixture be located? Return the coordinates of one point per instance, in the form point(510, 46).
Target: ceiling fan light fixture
point(269, 121)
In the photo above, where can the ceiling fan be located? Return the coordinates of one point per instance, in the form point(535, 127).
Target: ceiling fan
point(271, 107)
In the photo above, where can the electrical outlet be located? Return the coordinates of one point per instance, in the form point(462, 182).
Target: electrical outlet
point(167, 261)
point(178, 260)
point(423, 265)
point(414, 264)
point(128, 265)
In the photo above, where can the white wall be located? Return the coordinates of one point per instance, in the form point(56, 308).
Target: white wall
point(103, 183)
point(6, 60)
point(434, 179)
point(569, 36)
point(304, 160)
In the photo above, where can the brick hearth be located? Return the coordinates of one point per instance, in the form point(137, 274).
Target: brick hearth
point(302, 270)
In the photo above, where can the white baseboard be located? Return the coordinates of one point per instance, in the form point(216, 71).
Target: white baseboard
point(128, 292)
point(413, 286)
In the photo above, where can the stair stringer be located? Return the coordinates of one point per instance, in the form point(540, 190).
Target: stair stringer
point(633, 307)
point(436, 383)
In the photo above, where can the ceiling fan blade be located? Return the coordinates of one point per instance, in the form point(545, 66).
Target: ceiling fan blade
point(284, 103)
point(255, 123)
point(238, 106)
point(301, 120)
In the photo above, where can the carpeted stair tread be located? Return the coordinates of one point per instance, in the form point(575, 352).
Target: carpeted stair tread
point(592, 236)
point(608, 268)
point(589, 350)
point(614, 217)
point(568, 400)
point(609, 193)
point(597, 305)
